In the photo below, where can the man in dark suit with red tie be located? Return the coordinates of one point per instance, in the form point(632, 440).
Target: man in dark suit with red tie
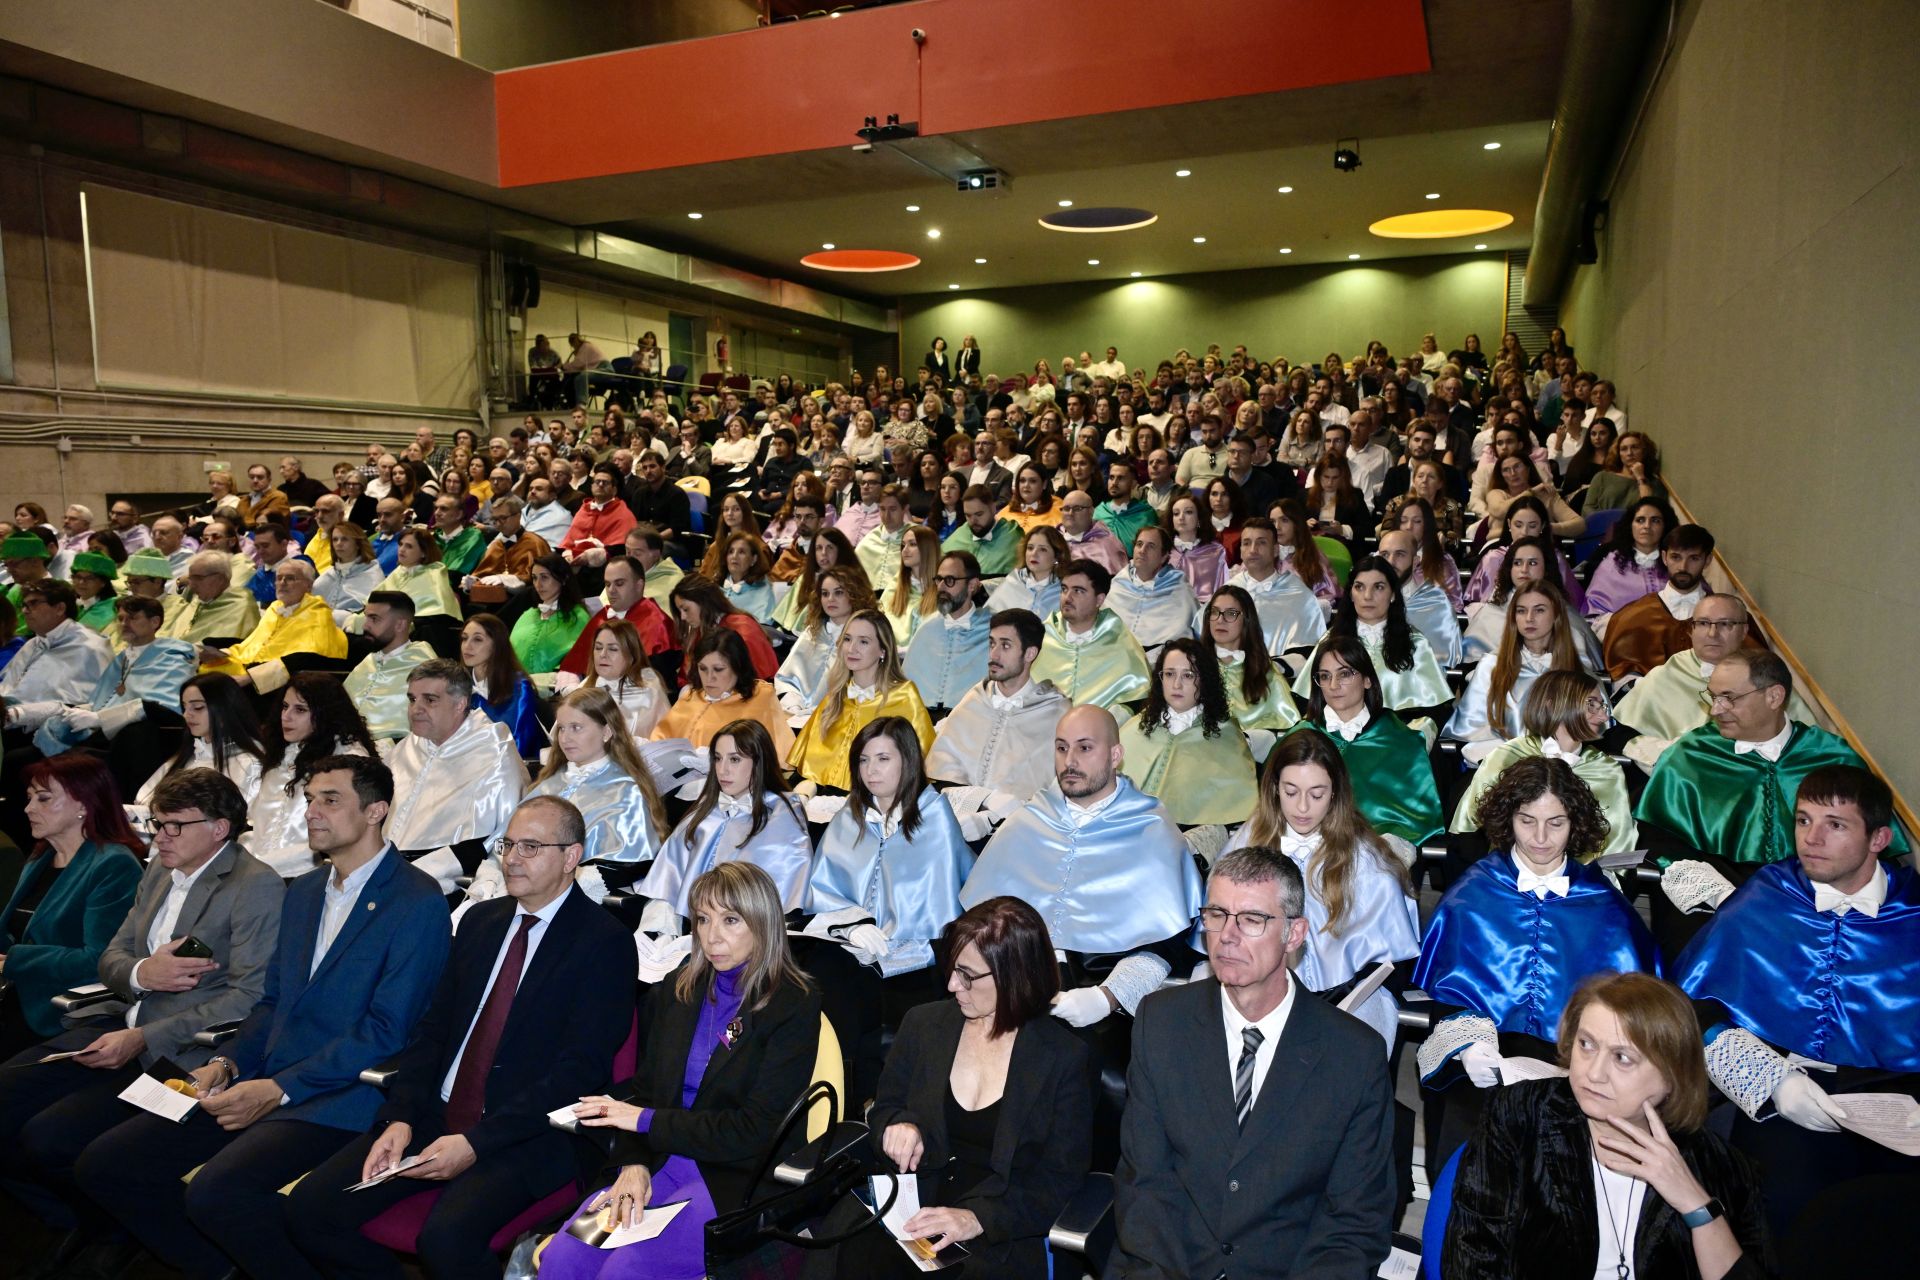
point(1258, 1134)
point(535, 1001)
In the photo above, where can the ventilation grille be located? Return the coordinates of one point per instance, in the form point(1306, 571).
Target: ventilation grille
point(1529, 323)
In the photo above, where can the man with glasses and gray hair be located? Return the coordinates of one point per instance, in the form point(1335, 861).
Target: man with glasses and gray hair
point(457, 776)
point(1229, 1074)
point(469, 1098)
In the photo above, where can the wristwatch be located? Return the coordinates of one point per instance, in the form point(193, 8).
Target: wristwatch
point(233, 1073)
point(1704, 1214)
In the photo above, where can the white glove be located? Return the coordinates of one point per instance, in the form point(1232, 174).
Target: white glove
point(1081, 1006)
point(661, 919)
point(118, 716)
point(82, 719)
point(1482, 1065)
point(1805, 1103)
point(870, 940)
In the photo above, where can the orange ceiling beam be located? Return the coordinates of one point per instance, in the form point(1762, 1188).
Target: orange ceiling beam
point(805, 86)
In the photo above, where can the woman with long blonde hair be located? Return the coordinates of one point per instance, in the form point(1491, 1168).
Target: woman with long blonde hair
point(595, 765)
point(801, 680)
point(913, 598)
point(864, 683)
point(1538, 638)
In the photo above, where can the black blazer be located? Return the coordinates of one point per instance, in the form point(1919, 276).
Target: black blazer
point(743, 1096)
point(939, 364)
point(571, 1013)
point(1305, 1189)
point(1523, 1202)
point(966, 360)
point(1041, 1146)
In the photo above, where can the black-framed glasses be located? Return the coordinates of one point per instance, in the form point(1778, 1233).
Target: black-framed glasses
point(524, 850)
point(1252, 923)
point(1228, 615)
point(172, 827)
point(951, 579)
point(968, 977)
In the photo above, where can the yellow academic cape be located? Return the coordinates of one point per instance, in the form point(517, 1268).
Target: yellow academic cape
point(820, 752)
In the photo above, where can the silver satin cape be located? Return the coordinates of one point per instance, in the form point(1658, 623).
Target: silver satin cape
point(1007, 748)
point(1291, 616)
point(910, 886)
point(1122, 881)
point(618, 826)
point(801, 681)
point(277, 821)
point(782, 850)
point(1156, 611)
point(464, 789)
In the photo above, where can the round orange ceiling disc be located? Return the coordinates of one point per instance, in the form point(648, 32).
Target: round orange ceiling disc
point(860, 260)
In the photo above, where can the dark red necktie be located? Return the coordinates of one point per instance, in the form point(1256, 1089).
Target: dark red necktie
point(469, 1096)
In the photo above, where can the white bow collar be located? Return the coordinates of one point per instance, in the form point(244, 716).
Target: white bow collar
point(1558, 884)
point(1868, 901)
point(1347, 730)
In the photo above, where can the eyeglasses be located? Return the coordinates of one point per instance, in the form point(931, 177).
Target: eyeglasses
point(1714, 701)
point(1175, 675)
point(524, 850)
point(1252, 923)
point(1596, 703)
point(1709, 624)
point(1341, 676)
point(968, 977)
point(951, 579)
point(1228, 615)
point(172, 827)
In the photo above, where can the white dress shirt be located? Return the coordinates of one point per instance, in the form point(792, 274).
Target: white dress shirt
point(1868, 901)
point(338, 903)
point(1348, 730)
point(1081, 814)
point(1681, 605)
point(1181, 721)
point(543, 917)
point(161, 931)
point(1270, 1028)
point(1770, 749)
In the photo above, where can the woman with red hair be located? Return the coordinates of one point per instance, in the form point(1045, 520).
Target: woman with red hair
point(75, 890)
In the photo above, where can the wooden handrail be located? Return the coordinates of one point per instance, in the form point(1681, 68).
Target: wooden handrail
point(1808, 687)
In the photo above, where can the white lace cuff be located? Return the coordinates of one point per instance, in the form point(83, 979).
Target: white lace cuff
point(1454, 1036)
point(1745, 1068)
point(1207, 841)
point(1135, 978)
point(1694, 886)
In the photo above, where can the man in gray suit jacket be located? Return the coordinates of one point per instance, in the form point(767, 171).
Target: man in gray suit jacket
point(1258, 1133)
point(199, 883)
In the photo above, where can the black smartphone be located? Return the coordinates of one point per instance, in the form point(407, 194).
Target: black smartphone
point(191, 948)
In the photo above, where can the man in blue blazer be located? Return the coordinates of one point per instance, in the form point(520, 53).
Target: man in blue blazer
point(531, 1010)
point(1258, 1134)
point(362, 943)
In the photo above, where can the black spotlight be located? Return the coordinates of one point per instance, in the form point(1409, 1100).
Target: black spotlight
point(1345, 158)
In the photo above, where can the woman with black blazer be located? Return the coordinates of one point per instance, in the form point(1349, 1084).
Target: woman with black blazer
point(730, 1044)
point(967, 359)
point(1609, 1168)
point(76, 888)
point(987, 1100)
point(937, 362)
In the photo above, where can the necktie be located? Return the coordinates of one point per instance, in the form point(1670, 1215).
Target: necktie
point(469, 1096)
point(1243, 1073)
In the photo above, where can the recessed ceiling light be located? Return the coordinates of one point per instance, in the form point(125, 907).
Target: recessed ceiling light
point(953, 286)
point(1199, 239)
point(1093, 262)
point(933, 233)
point(1286, 251)
point(1433, 195)
point(979, 262)
point(1490, 146)
point(827, 245)
point(696, 216)
point(1286, 191)
point(1065, 204)
point(1134, 274)
point(1353, 257)
point(1183, 173)
point(1479, 246)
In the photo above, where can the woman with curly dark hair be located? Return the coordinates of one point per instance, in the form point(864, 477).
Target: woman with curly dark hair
point(1374, 611)
point(317, 719)
point(1529, 907)
point(1184, 746)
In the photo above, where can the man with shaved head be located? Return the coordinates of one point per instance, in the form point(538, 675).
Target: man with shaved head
point(1109, 871)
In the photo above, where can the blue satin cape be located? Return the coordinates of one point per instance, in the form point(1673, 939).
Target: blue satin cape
point(910, 886)
point(519, 717)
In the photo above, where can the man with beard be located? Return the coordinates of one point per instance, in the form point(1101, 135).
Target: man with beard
point(946, 658)
point(999, 736)
point(1653, 628)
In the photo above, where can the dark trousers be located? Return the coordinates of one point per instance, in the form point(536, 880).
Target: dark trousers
point(1797, 1165)
point(232, 1214)
point(48, 1115)
point(454, 1241)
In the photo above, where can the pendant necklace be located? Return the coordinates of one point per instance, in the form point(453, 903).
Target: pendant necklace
point(1621, 1269)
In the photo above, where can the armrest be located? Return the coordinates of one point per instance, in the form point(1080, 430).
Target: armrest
point(1085, 1211)
point(1433, 853)
point(217, 1034)
point(378, 1076)
point(86, 997)
point(463, 883)
point(845, 1136)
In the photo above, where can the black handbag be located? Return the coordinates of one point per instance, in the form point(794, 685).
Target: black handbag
point(764, 1237)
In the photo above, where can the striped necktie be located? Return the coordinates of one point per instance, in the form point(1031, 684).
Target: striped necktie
point(1243, 1073)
